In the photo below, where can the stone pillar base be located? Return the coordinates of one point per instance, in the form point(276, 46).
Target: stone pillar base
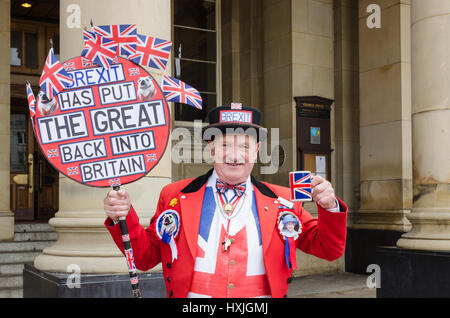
point(413, 273)
point(392, 220)
point(40, 284)
point(6, 226)
point(430, 230)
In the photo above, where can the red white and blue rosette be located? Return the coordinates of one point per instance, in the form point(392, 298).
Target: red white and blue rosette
point(167, 229)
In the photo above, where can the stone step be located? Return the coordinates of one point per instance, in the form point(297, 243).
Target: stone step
point(32, 227)
point(11, 281)
point(11, 292)
point(35, 236)
point(24, 246)
point(11, 269)
point(18, 257)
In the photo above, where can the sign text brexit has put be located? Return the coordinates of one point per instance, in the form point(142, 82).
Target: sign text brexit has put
point(106, 126)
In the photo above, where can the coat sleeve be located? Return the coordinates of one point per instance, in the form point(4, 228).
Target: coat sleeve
point(324, 236)
point(144, 242)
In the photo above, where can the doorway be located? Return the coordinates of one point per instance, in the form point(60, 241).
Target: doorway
point(34, 182)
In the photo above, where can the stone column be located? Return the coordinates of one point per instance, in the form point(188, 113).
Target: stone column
point(6, 217)
point(384, 132)
point(82, 238)
point(430, 215)
point(385, 121)
point(345, 135)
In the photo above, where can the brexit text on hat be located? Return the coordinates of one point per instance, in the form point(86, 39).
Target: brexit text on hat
point(233, 116)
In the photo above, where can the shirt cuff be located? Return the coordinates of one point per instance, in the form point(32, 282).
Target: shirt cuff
point(336, 209)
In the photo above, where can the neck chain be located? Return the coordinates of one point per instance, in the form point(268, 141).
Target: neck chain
point(229, 210)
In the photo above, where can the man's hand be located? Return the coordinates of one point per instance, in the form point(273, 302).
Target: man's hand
point(117, 204)
point(323, 193)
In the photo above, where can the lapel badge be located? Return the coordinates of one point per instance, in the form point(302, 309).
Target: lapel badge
point(173, 202)
point(167, 228)
point(286, 203)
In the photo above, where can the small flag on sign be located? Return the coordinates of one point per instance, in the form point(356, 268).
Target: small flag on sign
point(151, 52)
point(100, 50)
point(151, 157)
point(52, 153)
point(69, 66)
point(72, 171)
point(300, 184)
point(124, 35)
point(54, 78)
point(134, 71)
point(179, 92)
point(31, 101)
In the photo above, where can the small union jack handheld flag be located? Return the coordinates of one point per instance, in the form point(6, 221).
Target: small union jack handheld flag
point(300, 184)
point(99, 49)
point(179, 92)
point(31, 101)
point(151, 52)
point(88, 35)
point(54, 77)
point(124, 35)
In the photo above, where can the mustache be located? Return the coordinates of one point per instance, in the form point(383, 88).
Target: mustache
point(233, 161)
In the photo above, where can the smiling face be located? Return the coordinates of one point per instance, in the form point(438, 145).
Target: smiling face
point(290, 226)
point(234, 156)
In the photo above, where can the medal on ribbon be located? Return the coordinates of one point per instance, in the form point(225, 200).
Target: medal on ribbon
point(289, 227)
point(167, 228)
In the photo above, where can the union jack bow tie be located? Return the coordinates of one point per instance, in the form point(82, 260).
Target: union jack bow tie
point(222, 187)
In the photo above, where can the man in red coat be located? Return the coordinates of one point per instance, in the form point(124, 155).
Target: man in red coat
point(226, 234)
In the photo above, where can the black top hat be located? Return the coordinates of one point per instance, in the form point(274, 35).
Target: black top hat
point(234, 119)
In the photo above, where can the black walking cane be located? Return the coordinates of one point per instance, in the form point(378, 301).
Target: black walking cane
point(134, 280)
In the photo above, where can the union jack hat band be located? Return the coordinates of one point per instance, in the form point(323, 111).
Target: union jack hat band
point(228, 119)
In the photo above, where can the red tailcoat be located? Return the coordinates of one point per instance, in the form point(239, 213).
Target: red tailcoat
point(323, 237)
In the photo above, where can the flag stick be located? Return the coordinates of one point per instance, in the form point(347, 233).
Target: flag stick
point(129, 256)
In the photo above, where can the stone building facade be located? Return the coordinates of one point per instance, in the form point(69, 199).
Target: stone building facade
point(383, 63)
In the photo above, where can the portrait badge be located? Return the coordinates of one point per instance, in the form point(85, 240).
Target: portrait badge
point(289, 227)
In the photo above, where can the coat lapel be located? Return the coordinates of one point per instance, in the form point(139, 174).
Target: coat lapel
point(191, 208)
point(267, 212)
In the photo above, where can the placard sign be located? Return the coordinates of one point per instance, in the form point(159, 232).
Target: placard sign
point(111, 127)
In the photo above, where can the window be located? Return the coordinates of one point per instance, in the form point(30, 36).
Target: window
point(30, 42)
point(195, 53)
